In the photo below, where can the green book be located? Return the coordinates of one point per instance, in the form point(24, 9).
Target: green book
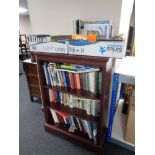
point(87, 81)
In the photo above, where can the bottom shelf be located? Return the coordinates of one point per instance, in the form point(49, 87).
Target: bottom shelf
point(118, 128)
point(80, 138)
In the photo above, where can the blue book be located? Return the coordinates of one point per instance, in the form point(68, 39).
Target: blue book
point(90, 126)
point(112, 106)
point(64, 77)
point(58, 97)
point(72, 120)
point(67, 79)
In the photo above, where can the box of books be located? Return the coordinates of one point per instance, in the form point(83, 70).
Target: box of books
point(107, 48)
point(49, 47)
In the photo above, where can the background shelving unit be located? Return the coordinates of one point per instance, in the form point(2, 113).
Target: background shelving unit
point(79, 137)
point(124, 73)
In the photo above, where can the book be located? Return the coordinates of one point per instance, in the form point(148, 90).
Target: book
point(46, 74)
point(55, 118)
point(78, 81)
point(102, 29)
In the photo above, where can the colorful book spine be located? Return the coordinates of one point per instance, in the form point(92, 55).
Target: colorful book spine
point(78, 81)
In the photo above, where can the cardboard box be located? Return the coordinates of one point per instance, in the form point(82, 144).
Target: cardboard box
point(130, 125)
point(107, 48)
point(49, 47)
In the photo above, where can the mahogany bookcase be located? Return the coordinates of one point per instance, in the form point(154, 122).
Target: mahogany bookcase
point(50, 126)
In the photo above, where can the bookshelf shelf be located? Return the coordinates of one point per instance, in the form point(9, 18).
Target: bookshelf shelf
point(105, 66)
point(79, 138)
point(76, 92)
point(74, 112)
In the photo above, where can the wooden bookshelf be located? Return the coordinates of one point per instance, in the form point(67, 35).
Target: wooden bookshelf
point(81, 138)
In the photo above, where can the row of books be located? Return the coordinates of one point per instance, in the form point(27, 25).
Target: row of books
point(75, 123)
point(40, 38)
point(90, 106)
point(73, 76)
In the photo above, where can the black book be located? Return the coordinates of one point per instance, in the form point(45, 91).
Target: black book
point(81, 81)
point(67, 79)
point(76, 123)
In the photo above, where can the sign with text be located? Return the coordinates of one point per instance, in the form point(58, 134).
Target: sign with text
point(113, 49)
point(49, 47)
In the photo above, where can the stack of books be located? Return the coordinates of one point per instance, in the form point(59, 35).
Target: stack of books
point(73, 76)
point(90, 106)
point(72, 124)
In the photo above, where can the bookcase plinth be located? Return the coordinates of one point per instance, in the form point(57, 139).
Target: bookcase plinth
point(74, 138)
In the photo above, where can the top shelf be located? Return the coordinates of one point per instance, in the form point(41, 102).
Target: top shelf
point(76, 92)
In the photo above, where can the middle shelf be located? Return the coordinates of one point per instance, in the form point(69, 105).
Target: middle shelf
point(76, 112)
point(76, 92)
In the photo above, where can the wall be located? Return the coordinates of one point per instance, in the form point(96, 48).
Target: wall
point(24, 24)
point(56, 16)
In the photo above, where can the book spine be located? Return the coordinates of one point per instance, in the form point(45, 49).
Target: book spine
point(87, 128)
point(75, 80)
point(112, 106)
point(64, 77)
point(46, 76)
point(58, 78)
point(70, 80)
point(81, 81)
point(78, 81)
point(55, 118)
point(67, 79)
point(79, 124)
point(91, 77)
point(49, 72)
point(87, 85)
point(90, 127)
point(50, 95)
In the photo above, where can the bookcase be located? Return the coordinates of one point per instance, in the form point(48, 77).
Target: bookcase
point(78, 137)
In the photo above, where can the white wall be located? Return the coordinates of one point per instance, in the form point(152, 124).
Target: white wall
point(24, 24)
point(56, 16)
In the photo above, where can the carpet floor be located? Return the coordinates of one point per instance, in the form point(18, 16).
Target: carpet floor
point(33, 140)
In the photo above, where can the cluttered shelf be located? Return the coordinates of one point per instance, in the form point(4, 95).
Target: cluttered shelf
point(76, 112)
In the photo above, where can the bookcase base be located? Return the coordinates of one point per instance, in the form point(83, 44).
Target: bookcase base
point(74, 138)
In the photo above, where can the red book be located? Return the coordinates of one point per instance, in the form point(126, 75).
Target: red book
point(74, 80)
point(70, 80)
point(54, 98)
point(63, 114)
point(78, 81)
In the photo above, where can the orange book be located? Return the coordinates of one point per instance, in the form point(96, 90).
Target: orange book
point(89, 37)
point(78, 81)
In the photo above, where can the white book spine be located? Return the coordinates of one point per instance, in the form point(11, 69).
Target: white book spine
point(54, 116)
point(65, 120)
point(84, 125)
point(92, 81)
point(59, 81)
point(88, 131)
point(50, 95)
point(79, 124)
point(49, 72)
point(88, 107)
point(45, 74)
